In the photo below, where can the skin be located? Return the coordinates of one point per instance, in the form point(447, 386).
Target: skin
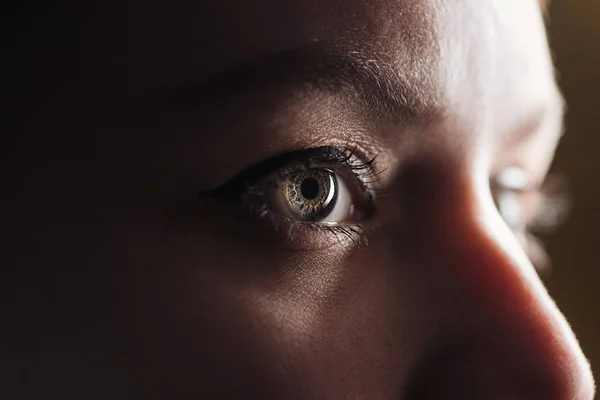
point(204, 301)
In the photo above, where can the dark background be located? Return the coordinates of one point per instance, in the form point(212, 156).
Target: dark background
point(574, 31)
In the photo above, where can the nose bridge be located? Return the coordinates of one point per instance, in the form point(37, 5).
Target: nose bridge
point(508, 334)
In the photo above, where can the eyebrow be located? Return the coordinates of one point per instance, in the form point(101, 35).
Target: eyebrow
point(365, 78)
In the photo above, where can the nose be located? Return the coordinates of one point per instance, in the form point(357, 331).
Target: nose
point(504, 337)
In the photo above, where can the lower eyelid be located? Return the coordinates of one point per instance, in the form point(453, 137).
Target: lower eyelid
point(288, 234)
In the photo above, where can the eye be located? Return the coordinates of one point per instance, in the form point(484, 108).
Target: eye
point(510, 186)
point(316, 195)
point(531, 211)
point(307, 194)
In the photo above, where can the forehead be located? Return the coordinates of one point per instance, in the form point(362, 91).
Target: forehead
point(192, 39)
point(195, 39)
point(496, 54)
point(462, 56)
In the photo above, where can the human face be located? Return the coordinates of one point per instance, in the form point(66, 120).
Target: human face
point(214, 301)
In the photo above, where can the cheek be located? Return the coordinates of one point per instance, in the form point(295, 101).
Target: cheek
point(199, 314)
point(184, 326)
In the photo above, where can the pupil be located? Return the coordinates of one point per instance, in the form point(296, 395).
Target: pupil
point(309, 188)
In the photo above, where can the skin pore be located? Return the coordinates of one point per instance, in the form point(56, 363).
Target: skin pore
point(430, 296)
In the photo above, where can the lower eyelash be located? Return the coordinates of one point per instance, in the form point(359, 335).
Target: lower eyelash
point(353, 233)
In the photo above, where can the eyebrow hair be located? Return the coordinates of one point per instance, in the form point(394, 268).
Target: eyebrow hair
point(367, 79)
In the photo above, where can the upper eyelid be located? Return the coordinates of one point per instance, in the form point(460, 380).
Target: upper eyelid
point(325, 155)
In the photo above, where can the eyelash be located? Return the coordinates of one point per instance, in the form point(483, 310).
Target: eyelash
point(247, 187)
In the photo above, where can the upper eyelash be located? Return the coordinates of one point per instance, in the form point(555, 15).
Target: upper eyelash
point(364, 170)
point(346, 157)
point(305, 158)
